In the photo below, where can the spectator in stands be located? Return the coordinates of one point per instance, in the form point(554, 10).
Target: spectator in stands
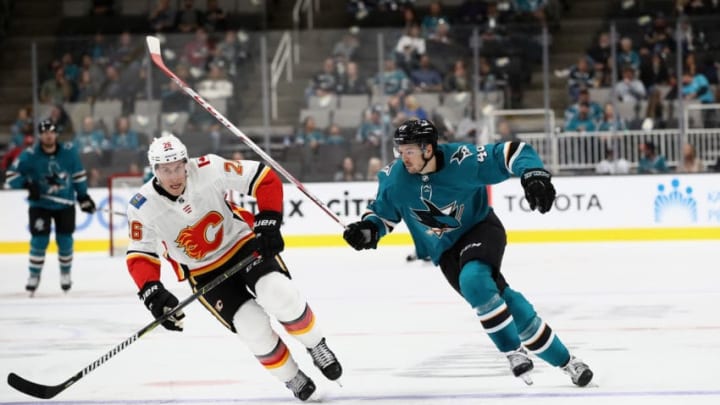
point(61, 120)
point(612, 165)
point(352, 82)
point(124, 52)
point(22, 126)
point(441, 34)
point(215, 17)
point(650, 160)
point(627, 56)
point(188, 18)
point(489, 78)
point(87, 90)
point(505, 133)
point(90, 138)
point(409, 48)
point(232, 51)
point(309, 135)
point(530, 8)
point(690, 163)
point(694, 7)
point(458, 80)
point(162, 17)
point(15, 150)
point(70, 68)
point(347, 171)
point(426, 78)
point(582, 121)
point(658, 35)
point(237, 155)
point(600, 55)
point(594, 109)
point(697, 87)
point(411, 110)
point(97, 75)
point(196, 53)
point(434, 17)
point(653, 71)
point(610, 121)
point(346, 46)
point(98, 49)
point(581, 76)
point(124, 138)
point(334, 135)
point(114, 88)
point(395, 81)
point(372, 129)
point(57, 89)
point(629, 89)
point(326, 81)
point(173, 99)
point(373, 168)
point(216, 85)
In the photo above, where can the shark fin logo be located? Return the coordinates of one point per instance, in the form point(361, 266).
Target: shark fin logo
point(440, 220)
point(675, 205)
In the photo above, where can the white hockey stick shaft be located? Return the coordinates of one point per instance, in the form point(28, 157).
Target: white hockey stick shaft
point(65, 201)
point(155, 54)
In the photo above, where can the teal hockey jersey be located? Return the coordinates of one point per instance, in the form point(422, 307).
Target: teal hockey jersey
point(438, 208)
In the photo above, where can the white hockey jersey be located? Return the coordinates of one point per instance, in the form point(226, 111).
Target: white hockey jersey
point(200, 230)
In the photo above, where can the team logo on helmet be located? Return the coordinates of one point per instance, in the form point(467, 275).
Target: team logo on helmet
point(196, 240)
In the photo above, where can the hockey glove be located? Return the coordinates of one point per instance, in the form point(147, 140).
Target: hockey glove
point(267, 233)
point(362, 235)
point(159, 301)
point(33, 190)
point(539, 191)
point(87, 204)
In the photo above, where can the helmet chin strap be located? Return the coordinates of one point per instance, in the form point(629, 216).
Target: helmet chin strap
point(421, 171)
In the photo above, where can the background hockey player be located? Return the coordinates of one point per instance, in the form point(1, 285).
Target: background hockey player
point(439, 191)
point(184, 209)
point(54, 177)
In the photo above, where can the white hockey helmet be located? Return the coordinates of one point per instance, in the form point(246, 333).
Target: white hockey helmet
point(166, 149)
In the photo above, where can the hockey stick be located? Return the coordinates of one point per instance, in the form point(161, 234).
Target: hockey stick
point(65, 201)
point(49, 391)
point(154, 47)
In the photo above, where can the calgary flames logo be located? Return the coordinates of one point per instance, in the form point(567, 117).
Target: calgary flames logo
point(195, 239)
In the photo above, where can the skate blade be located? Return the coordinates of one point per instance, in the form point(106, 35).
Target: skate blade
point(526, 378)
point(339, 382)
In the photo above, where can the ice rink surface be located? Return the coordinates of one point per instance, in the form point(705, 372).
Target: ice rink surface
point(644, 316)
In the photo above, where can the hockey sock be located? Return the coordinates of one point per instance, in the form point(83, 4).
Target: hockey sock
point(65, 251)
point(253, 327)
point(281, 299)
point(536, 335)
point(38, 246)
point(479, 289)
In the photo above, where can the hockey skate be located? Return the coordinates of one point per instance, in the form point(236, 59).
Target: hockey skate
point(325, 360)
point(520, 364)
point(65, 281)
point(578, 371)
point(32, 283)
point(301, 386)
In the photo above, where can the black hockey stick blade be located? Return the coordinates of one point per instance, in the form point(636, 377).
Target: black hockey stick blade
point(36, 390)
point(49, 391)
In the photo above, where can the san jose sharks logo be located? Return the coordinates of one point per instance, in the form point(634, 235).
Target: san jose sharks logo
point(439, 220)
point(56, 178)
point(460, 154)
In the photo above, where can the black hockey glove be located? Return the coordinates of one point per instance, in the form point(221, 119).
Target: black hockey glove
point(267, 233)
point(159, 301)
point(33, 190)
point(539, 191)
point(362, 235)
point(87, 204)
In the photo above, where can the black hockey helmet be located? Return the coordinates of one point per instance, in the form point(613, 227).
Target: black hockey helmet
point(46, 125)
point(421, 132)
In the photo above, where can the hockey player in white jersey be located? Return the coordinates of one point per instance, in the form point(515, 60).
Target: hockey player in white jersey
point(183, 215)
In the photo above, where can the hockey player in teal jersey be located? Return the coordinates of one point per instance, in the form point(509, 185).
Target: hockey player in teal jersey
point(54, 176)
point(439, 191)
